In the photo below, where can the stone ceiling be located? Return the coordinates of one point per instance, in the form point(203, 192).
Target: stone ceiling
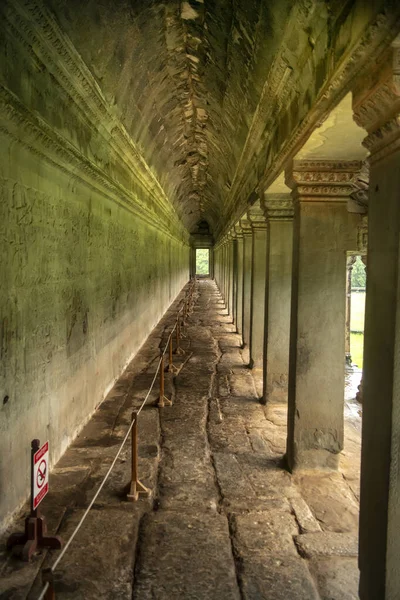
point(185, 79)
point(199, 84)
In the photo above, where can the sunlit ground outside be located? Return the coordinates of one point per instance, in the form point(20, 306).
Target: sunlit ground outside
point(202, 261)
point(357, 327)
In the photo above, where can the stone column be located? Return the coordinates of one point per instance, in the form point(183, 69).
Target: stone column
point(349, 266)
point(377, 109)
point(247, 268)
point(239, 302)
point(192, 262)
point(217, 258)
point(234, 277)
point(316, 366)
point(230, 274)
point(211, 263)
point(224, 271)
point(279, 211)
point(258, 282)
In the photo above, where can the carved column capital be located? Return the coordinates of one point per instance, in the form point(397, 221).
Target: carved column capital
point(278, 207)
point(246, 226)
point(256, 216)
point(376, 105)
point(358, 201)
point(322, 180)
point(239, 231)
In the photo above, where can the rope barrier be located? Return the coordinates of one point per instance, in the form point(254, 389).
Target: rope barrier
point(48, 590)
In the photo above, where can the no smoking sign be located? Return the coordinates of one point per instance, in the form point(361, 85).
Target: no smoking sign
point(40, 474)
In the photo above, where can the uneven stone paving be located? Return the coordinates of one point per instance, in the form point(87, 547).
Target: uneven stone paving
point(225, 520)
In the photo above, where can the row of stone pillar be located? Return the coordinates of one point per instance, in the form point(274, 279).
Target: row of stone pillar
point(290, 307)
point(286, 292)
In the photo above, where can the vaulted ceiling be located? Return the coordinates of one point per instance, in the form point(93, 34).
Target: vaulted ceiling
point(199, 84)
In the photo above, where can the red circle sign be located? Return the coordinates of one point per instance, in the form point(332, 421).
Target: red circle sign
point(41, 474)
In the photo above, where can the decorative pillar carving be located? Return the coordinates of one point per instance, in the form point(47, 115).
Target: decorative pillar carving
point(376, 103)
point(278, 209)
point(316, 370)
point(247, 276)
point(258, 284)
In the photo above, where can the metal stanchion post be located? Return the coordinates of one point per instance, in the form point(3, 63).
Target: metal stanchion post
point(163, 400)
point(136, 487)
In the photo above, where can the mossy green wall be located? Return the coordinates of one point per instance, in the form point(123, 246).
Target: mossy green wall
point(83, 282)
point(91, 251)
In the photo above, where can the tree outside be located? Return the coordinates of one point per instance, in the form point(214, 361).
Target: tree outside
point(358, 275)
point(202, 261)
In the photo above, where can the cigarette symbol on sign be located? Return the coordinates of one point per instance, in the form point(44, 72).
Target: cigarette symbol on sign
point(41, 473)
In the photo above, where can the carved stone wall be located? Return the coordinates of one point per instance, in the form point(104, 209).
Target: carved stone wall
point(91, 251)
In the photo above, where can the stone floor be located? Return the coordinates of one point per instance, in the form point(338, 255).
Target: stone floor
point(225, 520)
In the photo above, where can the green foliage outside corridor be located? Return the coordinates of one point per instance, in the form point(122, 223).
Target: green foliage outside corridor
point(202, 261)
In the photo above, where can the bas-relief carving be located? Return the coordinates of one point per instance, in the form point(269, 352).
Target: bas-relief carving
point(49, 49)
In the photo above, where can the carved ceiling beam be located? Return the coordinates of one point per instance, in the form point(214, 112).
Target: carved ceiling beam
point(322, 180)
point(357, 62)
point(376, 105)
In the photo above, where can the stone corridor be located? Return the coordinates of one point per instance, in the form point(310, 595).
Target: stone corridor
point(225, 520)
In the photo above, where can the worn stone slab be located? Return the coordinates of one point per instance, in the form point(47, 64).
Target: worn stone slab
point(99, 564)
point(188, 495)
point(230, 437)
point(241, 383)
point(265, 533)
point(258, 443)
point(306, 520)
point(337, 578)
point(266, 475)
point(277, 414)
point(330, 499)
point(326, 543)
point(232, 479)
point(185, 556)
point(277, 578)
